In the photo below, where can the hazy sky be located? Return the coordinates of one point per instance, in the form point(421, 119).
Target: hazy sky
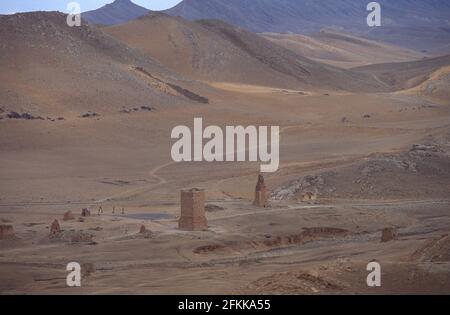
point(13, 6)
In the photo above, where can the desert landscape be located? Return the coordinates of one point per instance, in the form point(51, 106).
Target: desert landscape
point(86, 115)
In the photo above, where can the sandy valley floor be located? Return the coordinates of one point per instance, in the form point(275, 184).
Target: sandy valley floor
point(374, 161)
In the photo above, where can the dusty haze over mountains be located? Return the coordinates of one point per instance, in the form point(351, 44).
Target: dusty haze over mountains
point(86, 115)
point(414, 24)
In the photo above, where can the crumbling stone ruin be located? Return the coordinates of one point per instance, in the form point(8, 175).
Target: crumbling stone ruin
point(388, 234)
point(85, 212)
point(309, 196)
point(260, 193)
point(68, 216)
point(143, 232)
point(6, 232)
point(82, 237)
point(193, 210)
point(213, 208)
point(55, 228)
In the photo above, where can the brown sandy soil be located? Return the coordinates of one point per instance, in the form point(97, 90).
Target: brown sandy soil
point(288, 248)
point(372, 160)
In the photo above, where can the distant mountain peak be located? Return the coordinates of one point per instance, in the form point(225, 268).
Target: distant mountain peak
point(116, 2)
point(417, 24)
point(117, 12)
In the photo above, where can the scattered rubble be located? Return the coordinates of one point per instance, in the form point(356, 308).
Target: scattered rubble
point(68, 216)
point(125, 110)
point(25, 116)
point(82, 237)
point(90, 115)
point(417, 172)
point(293, 283)
point(145, 233)
point(309, 196)
point(271, 241)
point(306, 188)
point(213, 208)
point(188, 94)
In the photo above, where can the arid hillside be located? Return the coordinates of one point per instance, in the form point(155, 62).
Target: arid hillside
point(343, 49)
point(406, 75)
point(52, 70)
point(215, 51)
point(421, 25)
point(436, 87)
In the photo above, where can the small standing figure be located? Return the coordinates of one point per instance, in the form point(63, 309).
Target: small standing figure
point(114, 209)
point(100, 210)
point(123, 210)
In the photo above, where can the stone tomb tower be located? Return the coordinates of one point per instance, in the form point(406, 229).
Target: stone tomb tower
point(193, 210)
point(6, 232)
point(260, 193)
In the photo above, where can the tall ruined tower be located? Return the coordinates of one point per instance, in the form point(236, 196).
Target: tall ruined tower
point(6, 231)
point(260, 193)
point(193, 210)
